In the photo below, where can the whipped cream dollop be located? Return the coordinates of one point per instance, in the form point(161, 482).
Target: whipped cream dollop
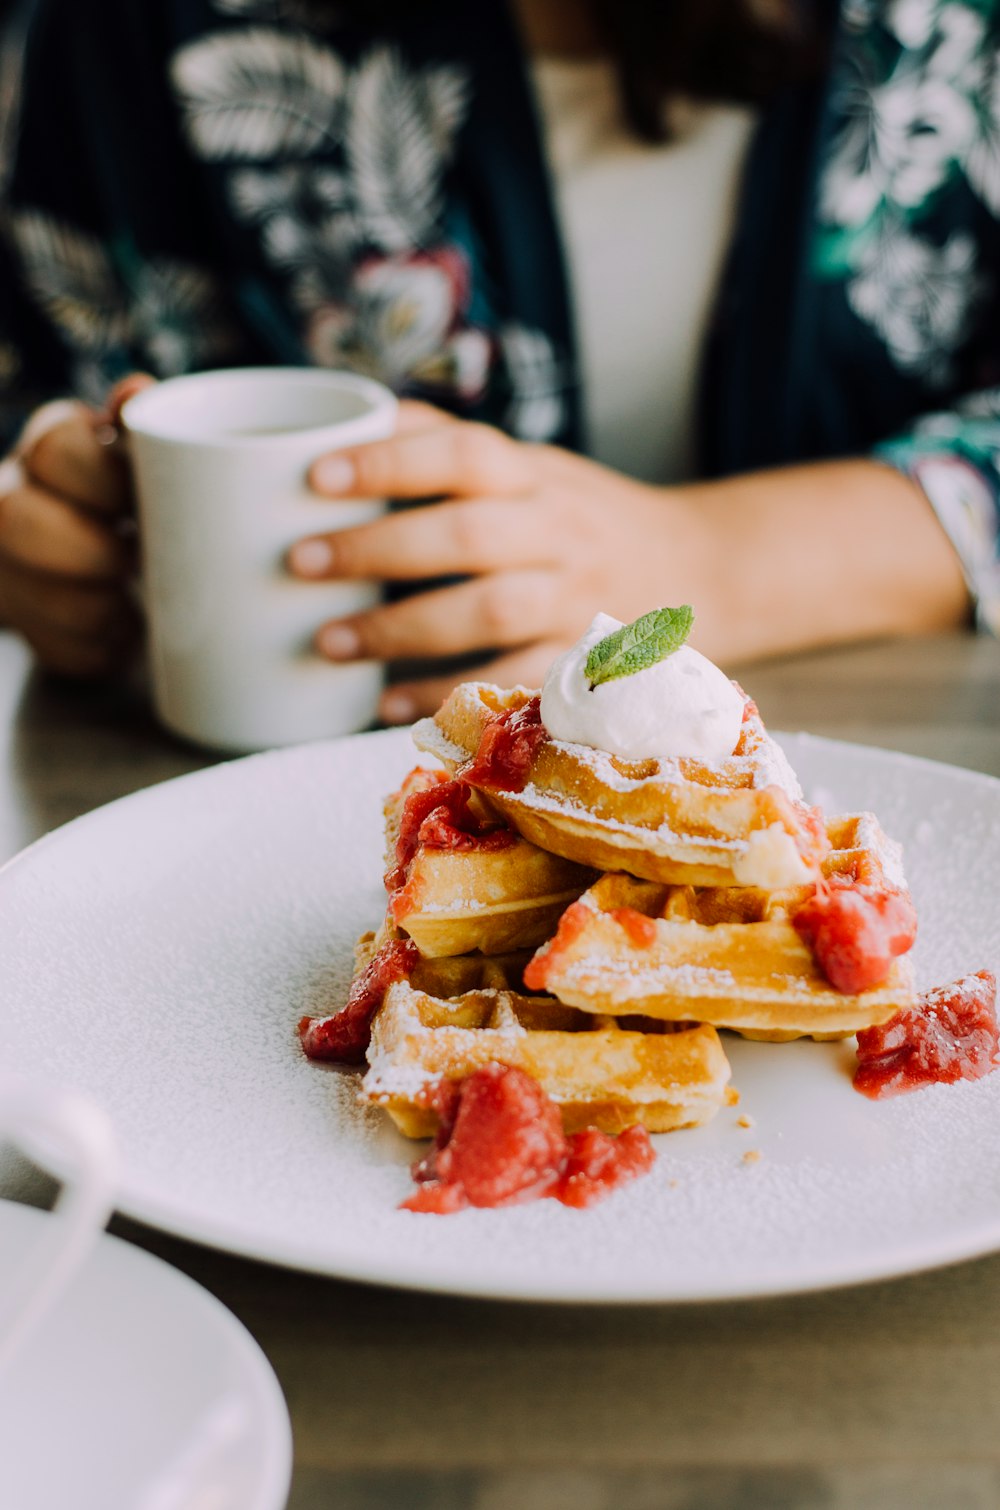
point(684, 705)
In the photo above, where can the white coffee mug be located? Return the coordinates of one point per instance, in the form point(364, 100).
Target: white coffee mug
point(74, 1136)
point(221, 460)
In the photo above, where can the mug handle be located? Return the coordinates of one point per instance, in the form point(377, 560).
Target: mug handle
point(79, 1135)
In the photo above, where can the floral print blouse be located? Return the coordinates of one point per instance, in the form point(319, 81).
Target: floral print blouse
point(196, 183)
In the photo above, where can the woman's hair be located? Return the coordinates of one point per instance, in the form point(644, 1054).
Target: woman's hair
point(734, 50)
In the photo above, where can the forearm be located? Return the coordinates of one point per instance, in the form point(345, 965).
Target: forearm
point(819, 554)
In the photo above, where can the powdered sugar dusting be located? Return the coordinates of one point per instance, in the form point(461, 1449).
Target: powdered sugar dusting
point(771, 768)
point(888, 852)
point(430, 739)
point(686, 980)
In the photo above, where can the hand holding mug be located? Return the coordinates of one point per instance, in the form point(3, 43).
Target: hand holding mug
point(64, 567)
point(221, 461)
point(541, 537)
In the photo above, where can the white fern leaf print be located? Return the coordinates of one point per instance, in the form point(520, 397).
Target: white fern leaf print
point(286, 241)
point(447, 93)
point(316, 14)
point(398, 138)
point(537, 409)
point(257, 192)
point(296, 189)
point(70, 276)
point(258, 94)
point(982, 160)
point(919, 297)
point(178, 319)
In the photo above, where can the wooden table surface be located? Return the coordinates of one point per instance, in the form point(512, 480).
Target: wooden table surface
point(882, 1396)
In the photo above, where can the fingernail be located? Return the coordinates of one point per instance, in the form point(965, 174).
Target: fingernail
point(311, 558)
point(339, 641)
point(397, 708)
point(333, 474)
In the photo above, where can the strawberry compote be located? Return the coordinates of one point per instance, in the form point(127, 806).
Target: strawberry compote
point(597, 1164)
point(438, 816)
point(951, 1034)
point(501, 1143)
point(856, 931)
point(507, 748)
point(345, 1036)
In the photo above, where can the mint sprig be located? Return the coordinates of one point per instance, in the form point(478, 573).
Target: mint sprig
point(635, 646)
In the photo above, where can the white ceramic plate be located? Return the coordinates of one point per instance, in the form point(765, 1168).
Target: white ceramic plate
point(159, 952)
point(138, 1391)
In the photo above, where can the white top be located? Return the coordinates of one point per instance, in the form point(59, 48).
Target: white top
point(646, 229)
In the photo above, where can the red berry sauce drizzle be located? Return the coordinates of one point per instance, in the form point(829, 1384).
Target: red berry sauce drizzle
point(438, 816)
point(507, 748)
point(951, 1034)
point(501, 1143)
point(345, 1036)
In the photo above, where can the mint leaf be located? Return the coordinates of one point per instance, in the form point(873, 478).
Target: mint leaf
point(636, 646)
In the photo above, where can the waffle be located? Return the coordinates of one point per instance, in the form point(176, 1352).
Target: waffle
point(600, 1073)
point(450, 975)
point(677, 821)
point(723, 955)
point(477, 898)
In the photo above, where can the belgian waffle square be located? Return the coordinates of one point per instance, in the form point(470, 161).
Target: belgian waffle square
point(729, 956)
point(601, 1073)
point(449, 975)
point(678, 821)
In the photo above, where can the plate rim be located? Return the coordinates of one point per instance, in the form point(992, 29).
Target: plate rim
point(385, 1276)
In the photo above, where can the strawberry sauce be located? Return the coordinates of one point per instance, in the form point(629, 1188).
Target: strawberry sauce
point(951, 1034)
point(639, 929)
point(501, 1143)
point(439, 817)
point(345, 1036)
point(572, 923)
point(507, 748)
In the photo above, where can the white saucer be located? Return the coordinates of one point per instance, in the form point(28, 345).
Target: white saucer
point(138, 1391)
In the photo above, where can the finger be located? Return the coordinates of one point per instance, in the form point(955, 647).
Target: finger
point(120, 394)
point(40, 603)
point(488, 534)
point(47, 534)
point(412, 414)
point(504, 608)
point(406, 701)
point(67, 654)
point(69, 458)
point(459, 459)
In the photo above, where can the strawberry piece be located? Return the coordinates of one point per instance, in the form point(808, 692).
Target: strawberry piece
point(951, 1034)
point(500, 1143)
point(507, 748)
point(856, 931)
point(598, 1164)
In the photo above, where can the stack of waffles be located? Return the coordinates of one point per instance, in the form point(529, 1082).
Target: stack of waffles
point(595, 922)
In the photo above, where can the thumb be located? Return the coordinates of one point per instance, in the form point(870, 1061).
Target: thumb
point(123, 390)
